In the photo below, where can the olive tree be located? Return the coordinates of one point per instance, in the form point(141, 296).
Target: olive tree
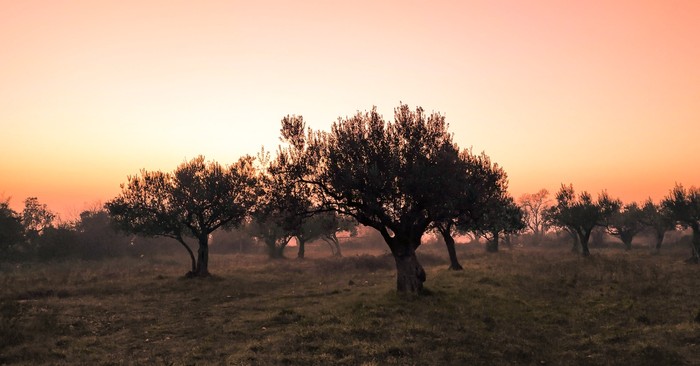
point(502, 217)
point(193, 201)
point(626, 223)
point(390, 176)
point(281, 210)
point(325, 225)
point(657, 218)
point(580, 214)
point(476, 184)
point(331, 223)
point(683, 206)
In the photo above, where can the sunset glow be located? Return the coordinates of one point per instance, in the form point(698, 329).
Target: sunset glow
point(600, 94)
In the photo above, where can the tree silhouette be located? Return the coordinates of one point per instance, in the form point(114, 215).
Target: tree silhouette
point(324, 225)
point(390, 176)
point(626, 223)
point(657, 218)
point(501, 217)
point(331, 223)
point(281, 211)
point(683, 205)
point(196, 199)
point(11, 230)
point(495, 211)
point(581, 214)
point(534, 207)
point(36, 217)
point(479, 202)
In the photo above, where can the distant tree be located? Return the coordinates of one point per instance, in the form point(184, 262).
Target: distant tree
point(36, 217)
point(281, 211)
point(311, 229)
point(683, 206)
point(533, 207)
point(494, 214)
point(480, 204)
point(477, 184)
point(97, 237)
point(658, 219)
point(11, 230)
point(389, 176)
point(626, 223)
point(196, 199)
point(325, 226)
point(502, 218)
point(580, 215)
point(56, 242)
point(273, 229)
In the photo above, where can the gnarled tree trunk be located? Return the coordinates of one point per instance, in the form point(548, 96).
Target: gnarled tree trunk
point(583, 238)
point(333, 243)
point(696, 244)
point(492, 246)
point(202, 257)
point(301, 244)
point(659, 240)
point(410, 275)
point(275, 248)
point(192, 258)
point(576, 247)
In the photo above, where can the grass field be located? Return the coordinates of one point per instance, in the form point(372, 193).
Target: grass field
point(523, 307)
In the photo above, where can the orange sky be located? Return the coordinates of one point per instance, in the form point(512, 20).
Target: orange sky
point(601, 94)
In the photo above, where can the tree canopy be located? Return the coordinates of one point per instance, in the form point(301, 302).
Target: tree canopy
point(626, 223)
point(683, 206)
point(193, 201)
point(395, 177)
point(580, 214)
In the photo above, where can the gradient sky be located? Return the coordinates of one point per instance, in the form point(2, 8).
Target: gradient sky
point(601, 94)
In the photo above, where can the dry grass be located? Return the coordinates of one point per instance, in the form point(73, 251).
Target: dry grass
point(544, 307)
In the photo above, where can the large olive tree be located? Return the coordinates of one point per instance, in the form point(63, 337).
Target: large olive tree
point(193, 201)
point(391, 176)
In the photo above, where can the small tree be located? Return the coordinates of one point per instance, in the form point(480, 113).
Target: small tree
point(97, 237)
point(658, 219)
point(196, 199)
point(282, 210)
point(326, 225)
point(36, 217)
point(333, 226)
point(477, 186)
point(502, 217)
point(683, 205)
point(480, 204)
point(533, 207)
point(626, 223)
point(273, 230)
point(581, 214)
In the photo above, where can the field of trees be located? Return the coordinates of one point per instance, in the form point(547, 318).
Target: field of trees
point(190, 266)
